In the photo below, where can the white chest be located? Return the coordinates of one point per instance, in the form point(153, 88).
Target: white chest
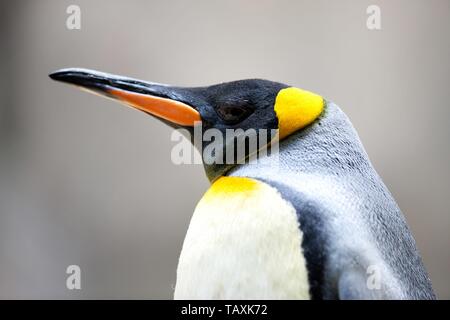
point(243, 242)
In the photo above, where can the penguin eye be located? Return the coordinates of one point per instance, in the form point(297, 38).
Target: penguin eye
point(233, 114)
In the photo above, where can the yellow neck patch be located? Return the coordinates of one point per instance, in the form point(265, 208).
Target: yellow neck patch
point(295, 109)
point(229, 186)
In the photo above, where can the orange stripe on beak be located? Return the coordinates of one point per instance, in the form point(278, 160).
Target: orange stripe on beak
point(168, 109)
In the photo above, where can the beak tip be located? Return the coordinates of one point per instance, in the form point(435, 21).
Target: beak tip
point(74, 76)
point(66, 74)
point(54, 75)
point(59, 75)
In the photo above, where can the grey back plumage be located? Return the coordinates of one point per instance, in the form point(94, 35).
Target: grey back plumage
point(354, 233)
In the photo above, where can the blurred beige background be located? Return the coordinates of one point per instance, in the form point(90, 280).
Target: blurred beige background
point(86, 181)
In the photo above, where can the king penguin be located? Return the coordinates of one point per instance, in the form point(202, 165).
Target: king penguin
point(314, 222)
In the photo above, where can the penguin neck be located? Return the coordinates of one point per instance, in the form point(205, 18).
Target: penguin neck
point(330, 145)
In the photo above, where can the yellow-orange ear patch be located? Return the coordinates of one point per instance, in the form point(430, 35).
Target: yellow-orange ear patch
point(295, 109)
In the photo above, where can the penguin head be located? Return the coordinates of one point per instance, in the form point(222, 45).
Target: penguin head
point(227, 114)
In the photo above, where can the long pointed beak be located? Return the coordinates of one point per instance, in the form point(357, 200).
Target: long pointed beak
point(159, 100)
